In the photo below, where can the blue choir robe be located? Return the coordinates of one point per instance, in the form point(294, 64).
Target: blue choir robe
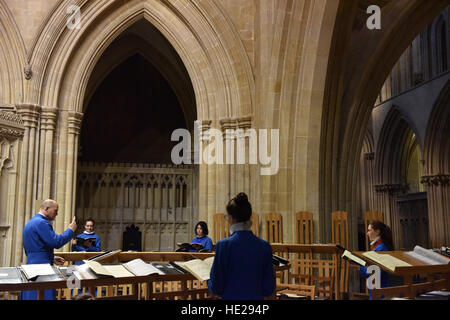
point(384, 281)
point(205, 241)
point(93, 248)
point(39, 241)
point(242, 268)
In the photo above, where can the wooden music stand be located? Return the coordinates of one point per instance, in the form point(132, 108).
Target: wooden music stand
point(408, 272)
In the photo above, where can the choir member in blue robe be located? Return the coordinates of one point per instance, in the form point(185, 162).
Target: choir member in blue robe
point(201, 230)
point(380, 236)
point(88, 246)
point(242, 267)
point(39, 241)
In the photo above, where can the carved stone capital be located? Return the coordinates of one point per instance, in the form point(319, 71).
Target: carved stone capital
point(244, 122)
point(391, 188)
point(436, 180)
point(11, 125)
point(228, 126)
point(203, 126)
point(74, 122)
point(30, 114)
point(48, 118)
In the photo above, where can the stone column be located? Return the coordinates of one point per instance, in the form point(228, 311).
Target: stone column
point(228, 169)
point(203, 214)
point(389, 207)
point(11, 135)
point(74, 128)
point(48, 125)
point(27, 186)
point(245, 123)
point(69, 128)
point(438, 197)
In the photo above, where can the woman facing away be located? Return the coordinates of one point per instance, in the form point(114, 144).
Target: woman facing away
point(380, 236)
point(242, 267)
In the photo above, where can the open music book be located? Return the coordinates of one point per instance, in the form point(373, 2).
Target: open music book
point(81, 241)
point(352, 258)
point(386, 260)
point(10, 275)
point(428, 256)
point(32, 271)
point(136, 267)
point(190, 246)
point(84, 272)
point(198, 268)
point(167, 267)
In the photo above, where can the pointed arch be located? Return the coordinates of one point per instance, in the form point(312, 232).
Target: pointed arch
point(65, 58)
point(12, 58)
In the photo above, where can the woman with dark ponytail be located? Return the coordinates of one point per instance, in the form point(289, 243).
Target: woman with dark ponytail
point(380, 236)
point(242, 267)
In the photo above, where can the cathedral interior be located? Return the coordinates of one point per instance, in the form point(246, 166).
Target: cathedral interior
point(88, 105)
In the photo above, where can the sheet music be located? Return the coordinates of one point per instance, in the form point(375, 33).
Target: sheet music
point(83, 272)
point(201, 269)
point(428, 256)
point(386, 260)
point(34, 270)
point(353, 258)
point(141, 268)
point(118, 271)
point(97, 268)
point(10, 275)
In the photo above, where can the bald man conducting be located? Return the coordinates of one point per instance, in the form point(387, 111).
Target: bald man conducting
point(39, 241)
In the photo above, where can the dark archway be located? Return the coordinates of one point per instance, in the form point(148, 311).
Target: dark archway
point(138, 94)
point(131, 116)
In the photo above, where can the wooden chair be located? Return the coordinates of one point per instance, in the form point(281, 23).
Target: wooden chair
point(304, 232)
point(296, 289)
point(300, 272)
point(339, 234)
point(221, 229)
point(274, 228)
point(304, 228)
point(369, 217)
point(274, 234)
point(323, 277)
point(255, 224)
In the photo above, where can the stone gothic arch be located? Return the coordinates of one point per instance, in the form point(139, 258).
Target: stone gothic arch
point(393, 154)
point(439, 41)
point(62, 61)
point(350, 98)
point(437, 169)
point(12, 59)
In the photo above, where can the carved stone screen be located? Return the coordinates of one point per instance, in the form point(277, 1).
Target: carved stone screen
point(156, 198)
